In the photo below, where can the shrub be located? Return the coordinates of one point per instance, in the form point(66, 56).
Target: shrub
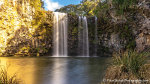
point(6, 79)
point(130, 65)
point(130, 61)
point(123, 5)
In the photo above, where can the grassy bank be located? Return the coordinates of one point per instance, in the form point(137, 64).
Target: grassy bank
point(130, 67)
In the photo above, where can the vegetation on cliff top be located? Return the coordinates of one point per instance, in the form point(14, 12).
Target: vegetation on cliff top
point(85, 8)
point(92, 7)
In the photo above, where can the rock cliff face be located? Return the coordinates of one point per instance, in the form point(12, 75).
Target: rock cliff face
point(131, 30)
point(25, 28)
point(72, 35)
point(116, 33)
point(143, 32)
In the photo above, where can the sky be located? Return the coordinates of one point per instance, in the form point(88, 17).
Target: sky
point(56, 4)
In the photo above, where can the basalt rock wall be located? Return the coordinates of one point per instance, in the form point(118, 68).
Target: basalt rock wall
point(25, 28)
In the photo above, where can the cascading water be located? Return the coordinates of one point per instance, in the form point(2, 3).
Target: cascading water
point(60, 34)
point(83, 40)
point(96, 38)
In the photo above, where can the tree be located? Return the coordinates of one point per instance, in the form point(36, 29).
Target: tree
point(87, 8)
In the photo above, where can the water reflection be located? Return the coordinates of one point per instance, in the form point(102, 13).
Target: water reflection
point(24, 69)
point(45, 70)
point(59, 72)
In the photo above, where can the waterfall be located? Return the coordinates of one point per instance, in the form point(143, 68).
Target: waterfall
point(60, 34)
point(96, 38)
point(83, 40)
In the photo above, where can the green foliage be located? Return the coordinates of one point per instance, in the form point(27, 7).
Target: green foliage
point(130, 61)
point(71, 9)
point(130, 65)
point(123, 5)
point(86, 8)
point(126, 34)
point(89, 7)
point(101, 9)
